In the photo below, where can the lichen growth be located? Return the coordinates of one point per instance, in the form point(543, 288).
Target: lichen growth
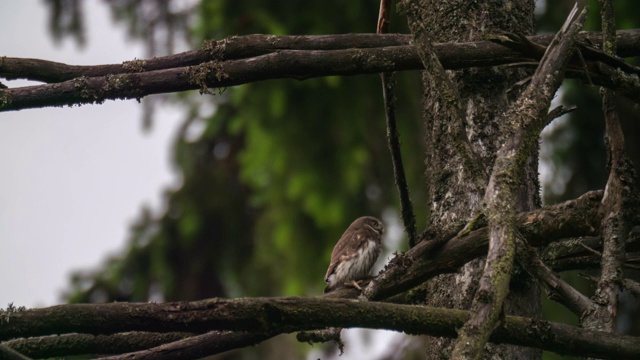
point(116, 82)
point(5, 314)
point(214, 49)
point(135, 65)
point(201, 75)
point(80, 84)
point(5, 99)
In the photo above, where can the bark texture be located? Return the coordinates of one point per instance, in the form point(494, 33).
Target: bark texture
point(484, 94)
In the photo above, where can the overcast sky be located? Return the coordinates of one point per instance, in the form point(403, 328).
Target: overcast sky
point(71, 179)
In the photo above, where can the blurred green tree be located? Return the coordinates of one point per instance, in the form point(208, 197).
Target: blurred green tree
point(275, 173)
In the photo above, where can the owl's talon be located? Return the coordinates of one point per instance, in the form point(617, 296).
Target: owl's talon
point(354, 284)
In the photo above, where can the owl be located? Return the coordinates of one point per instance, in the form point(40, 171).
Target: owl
point(355, 253)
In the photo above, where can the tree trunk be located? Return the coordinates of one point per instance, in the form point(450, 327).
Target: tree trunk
point(454, 196)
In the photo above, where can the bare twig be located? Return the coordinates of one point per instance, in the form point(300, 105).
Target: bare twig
point(393, 137)
point(558, 112)
point(559, 289)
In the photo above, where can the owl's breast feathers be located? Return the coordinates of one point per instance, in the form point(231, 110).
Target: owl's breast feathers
point(353, 256)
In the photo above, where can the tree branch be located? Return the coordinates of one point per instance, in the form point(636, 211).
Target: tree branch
point(232, 48)
point(528, 116)
point(615, 225)
point(572, 218)
point(214, 66)
point(559, 290)
point(632, 286)
point(451, 55)
point(393, 137)
point(196, 347)
point(284, 315)
point(81, 344)
point(7, 353)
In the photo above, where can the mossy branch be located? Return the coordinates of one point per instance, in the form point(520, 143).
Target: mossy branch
point(284, 315)
point(528, 116)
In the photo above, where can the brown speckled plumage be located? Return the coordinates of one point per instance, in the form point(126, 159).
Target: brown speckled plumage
point(355, 253)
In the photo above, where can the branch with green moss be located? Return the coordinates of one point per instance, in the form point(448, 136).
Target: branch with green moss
point(80, 344)
point(618, 203)
point(431, 257)
point(528, 117)
point(196, 347)
point(284, 315)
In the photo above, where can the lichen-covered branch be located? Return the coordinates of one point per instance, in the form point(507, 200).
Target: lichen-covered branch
point(528, 116)
point(431, 257)
point(586, 252)
point(229, 63)
point(79, 344)
point(284, 315)
point(617, 208)
point(196, 347)
point(452, 56)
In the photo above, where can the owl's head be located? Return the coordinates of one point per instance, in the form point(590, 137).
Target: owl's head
point(372, 223)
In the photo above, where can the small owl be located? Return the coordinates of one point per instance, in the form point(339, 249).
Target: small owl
point(355, 253)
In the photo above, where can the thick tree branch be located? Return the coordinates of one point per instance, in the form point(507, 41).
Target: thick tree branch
point(284, 315)
point(7, 353)
point(617, 204)
point(632, 286)
point(528, 116)
point(572, 218)
point(214, 66)
point(452, 56)
point(614, 226)
point(232, 48)
point(80, 344)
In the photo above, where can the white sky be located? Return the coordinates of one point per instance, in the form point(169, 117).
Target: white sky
point(71, 179)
